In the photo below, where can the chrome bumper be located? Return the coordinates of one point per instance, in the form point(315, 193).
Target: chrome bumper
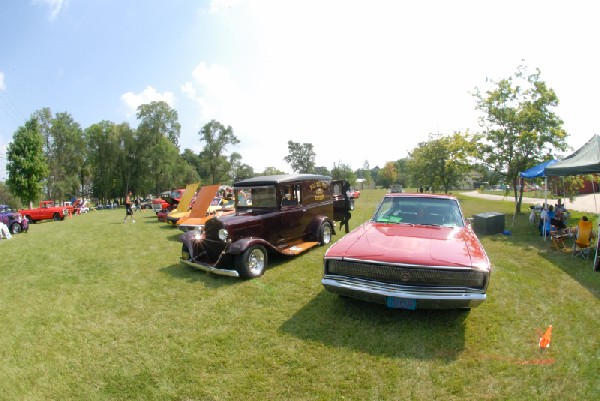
point(210, 269)
point(379, 292)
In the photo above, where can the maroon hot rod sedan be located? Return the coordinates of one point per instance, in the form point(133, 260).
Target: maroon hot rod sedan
point(285, 214)
point(418, 251)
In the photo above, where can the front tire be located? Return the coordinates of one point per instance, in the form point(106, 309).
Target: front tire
point(252, 263)
point(325, 233)
point(31, 221)
point(56, 217)
point(15, 228)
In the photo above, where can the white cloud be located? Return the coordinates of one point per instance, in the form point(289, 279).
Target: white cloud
point(2, 84)
point(55, 6)
point(149, 94)
point(216, 94)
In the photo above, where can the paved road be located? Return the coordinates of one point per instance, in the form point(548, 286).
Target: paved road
point(583, 203)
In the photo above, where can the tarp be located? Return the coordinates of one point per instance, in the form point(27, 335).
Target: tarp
point(586, 160)
point(537, 171)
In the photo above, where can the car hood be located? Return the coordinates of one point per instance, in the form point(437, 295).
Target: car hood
point(412, 245)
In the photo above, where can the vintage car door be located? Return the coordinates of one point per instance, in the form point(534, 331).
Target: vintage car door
point(292, 216)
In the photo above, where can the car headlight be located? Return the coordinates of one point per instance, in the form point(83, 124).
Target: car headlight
point(197, 233)
point(223, 234)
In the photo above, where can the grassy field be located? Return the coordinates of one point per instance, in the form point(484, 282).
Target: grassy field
point(94, 309)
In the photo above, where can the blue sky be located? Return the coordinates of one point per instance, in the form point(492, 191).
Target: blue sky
point(363, 81)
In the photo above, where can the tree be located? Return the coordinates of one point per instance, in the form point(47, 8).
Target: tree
point(216, 137)
point(105, 155)
point(365, 173)
point(6, 198)
point(67, 156)
point(159, 119)
point(26, 164)
point(157, 140)
point(343, 172)
point(272, 171)
point(387, 175)
point(301, 157)
point(520, 128)
point(195, 161)
point(322, 170)
point(442, 161)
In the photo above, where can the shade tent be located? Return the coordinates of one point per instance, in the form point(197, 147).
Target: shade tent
point(538, 171)
point(585, 160)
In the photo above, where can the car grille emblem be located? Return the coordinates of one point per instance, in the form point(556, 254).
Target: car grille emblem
point(405, 276)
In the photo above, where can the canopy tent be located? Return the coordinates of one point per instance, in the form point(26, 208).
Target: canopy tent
point(538, 171)
point(585, 160)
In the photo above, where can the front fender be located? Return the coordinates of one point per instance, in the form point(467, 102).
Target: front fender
point(239, 246)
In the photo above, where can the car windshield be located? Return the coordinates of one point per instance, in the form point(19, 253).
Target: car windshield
point(417, 210)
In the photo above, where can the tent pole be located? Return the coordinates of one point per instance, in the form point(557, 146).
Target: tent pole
point(597, 222)
point(545, 206)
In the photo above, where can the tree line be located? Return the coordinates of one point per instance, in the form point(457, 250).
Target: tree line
point(52, 157)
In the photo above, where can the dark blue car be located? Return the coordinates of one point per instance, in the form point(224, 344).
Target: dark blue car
point(13, 220)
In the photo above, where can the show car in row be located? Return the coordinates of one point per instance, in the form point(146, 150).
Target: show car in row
point(285, 214)
point(45, 211)
point(418, 251)
point(13, 220)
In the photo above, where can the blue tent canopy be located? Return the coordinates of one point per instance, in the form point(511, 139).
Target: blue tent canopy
point(537, 171)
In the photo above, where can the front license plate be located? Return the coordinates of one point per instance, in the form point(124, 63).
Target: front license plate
point(401, 303)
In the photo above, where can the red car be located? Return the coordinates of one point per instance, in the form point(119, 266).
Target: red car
point(418, 251)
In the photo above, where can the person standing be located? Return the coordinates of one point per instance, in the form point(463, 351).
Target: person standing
point(128, 209)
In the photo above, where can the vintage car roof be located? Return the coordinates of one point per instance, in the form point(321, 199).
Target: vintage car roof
point(278, 179)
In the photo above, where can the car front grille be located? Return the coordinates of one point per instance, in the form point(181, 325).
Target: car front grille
point(417, 276)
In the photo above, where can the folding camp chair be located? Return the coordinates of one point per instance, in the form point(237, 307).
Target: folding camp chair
point(558, 240)
point(582, 244)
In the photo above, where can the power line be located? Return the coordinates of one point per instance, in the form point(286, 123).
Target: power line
point(10, 109)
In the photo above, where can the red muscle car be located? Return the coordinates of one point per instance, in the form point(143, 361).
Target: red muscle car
point(418, 251)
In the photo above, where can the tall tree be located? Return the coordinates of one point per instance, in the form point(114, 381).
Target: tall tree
point(67, 156)
point(442, 161)
point(343, 171)
point(105, 154)
point(301, 157)
point(366, 174)
point(7, 198)
point(520, 128)
point(272, 171)
point(159, 119)
point(216, 138)
point(387, 175)
point(156, 138)
point(26, 164)
point(322, 170)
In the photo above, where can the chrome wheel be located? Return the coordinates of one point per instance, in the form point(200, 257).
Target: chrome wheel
point(252, 262)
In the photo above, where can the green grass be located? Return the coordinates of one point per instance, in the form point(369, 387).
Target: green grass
point(94, 309)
